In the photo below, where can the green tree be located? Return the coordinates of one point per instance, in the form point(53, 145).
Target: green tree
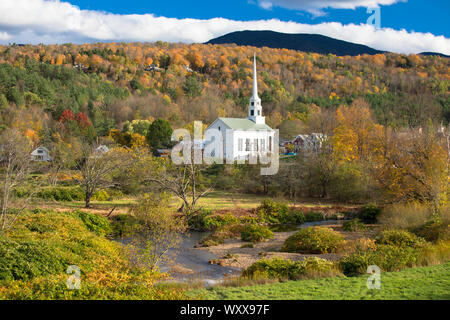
point(159, 135)
point(192, 88)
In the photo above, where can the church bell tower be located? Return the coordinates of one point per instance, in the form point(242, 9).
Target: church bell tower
point(255, 108)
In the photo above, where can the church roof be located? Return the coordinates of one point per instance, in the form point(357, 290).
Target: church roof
point(244, 124)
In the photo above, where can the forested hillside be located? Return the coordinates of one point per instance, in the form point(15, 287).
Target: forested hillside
point(90, 89)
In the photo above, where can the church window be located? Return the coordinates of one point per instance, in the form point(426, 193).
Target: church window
point(219, 128)
point(255, 142)
point(270, 144)
point(247, 144)
point(262, 145)
point(252, 103)
point(259, 112)
point(240, 145)
point(252, 112)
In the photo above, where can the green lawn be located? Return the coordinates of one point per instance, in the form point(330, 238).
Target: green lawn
point(424, 283)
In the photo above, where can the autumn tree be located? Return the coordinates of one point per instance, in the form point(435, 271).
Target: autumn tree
point(98, 168)
point(158, 229)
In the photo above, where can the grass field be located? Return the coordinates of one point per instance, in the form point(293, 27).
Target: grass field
point(216, 200)
point(424, 283)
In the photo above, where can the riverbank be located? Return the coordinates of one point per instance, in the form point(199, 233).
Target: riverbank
point(239, 254)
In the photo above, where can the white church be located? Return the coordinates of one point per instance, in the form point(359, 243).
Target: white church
point(242, 137)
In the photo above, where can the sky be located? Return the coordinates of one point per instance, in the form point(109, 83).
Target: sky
point(403, 26)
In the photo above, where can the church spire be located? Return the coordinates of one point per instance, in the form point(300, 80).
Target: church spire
point(255, 108)
point(255, 79)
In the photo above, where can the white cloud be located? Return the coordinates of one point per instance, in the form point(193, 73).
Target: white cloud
point(314, 6)
point(36, 21)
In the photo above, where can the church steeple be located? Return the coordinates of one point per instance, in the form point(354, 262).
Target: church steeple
point(255, 108)
point(255, 79)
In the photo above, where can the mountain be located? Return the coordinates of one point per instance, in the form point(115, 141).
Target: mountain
point(434, 54)
point(301, 41)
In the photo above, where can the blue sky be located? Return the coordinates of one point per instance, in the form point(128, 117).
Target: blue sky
point(413, 15)
point(407, 26)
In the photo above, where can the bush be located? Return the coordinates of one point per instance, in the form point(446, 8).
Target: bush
point(277, 268)
point(399, 238)
point(44, 244)
point(353, 225)
point(255, 233)
point(212, 222)
point(313, 216)
point(296, 217)
point(60, 194)
point(101, 195)
point(313, 240)
point(95, 222)
point(387, 257)
point(206, 220)
point(221, 234)
point(369, 212)
point(197, 222)
point(433, 231)
point(28, 259)
point(273, 212)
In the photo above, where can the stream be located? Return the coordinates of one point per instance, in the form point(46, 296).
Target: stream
point(188, 263)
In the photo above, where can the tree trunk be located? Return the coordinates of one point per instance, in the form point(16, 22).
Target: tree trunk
point(88, 199)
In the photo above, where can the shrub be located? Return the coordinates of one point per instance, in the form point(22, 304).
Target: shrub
point(212, 222)
point(296, 217)
point(255, 233)
point(273, 212)
point(95, 222)
point(206, 220)
point(399, 238)
point(44, 244)
point(353, 225)
point(28, 259)
point(101, 195)
point(313, 240)
point(313, 216)
point(197, 222)
point(277, 268)
point(433, 231)
point(221, 234)
point(61, 194)
point(369, 212)
point(387, 257)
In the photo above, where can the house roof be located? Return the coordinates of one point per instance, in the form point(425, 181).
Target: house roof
point(243, 124)
point(41, 148)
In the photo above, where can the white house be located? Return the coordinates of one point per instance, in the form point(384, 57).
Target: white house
point(41, 154)
point(242, 137)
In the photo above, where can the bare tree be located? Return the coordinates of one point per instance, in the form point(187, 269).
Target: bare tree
point(98, 168)
point(184, 181)
point(16, 163)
